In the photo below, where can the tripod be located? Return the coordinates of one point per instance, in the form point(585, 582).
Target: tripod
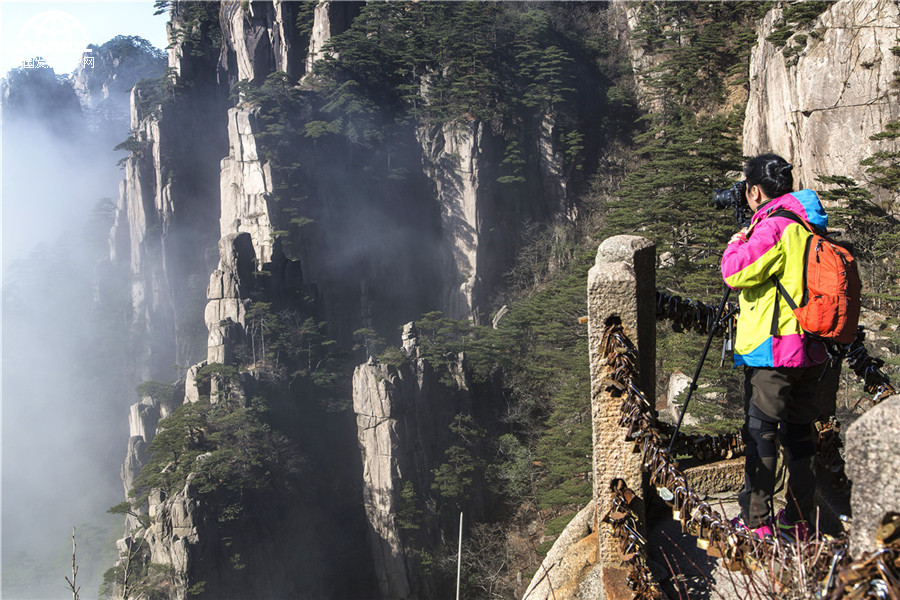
point(712, 332)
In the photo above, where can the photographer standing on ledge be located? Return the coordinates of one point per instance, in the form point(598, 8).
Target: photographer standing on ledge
point(782, 366)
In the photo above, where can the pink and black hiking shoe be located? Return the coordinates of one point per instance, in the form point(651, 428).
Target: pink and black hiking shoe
point(792, 530)
point(767, 529)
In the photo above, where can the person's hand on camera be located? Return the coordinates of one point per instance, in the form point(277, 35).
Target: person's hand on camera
point(740, 236)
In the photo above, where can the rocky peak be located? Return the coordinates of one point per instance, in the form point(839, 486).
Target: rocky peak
point(165, 227)
point(103, 85)
point(40, 96)
point(626, 15)
point(410, 337)
point(194, 33)
point(246, 184)
point(404, 415)
point(459, 160)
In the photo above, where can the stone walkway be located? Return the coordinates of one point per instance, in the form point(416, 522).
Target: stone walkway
point(687, 572)
point(683, 569)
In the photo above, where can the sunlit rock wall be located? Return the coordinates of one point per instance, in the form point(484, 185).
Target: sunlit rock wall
point(331, 18)
point(554, 183)
point(403, 417)
point(260, 38)
point(144, 206)
point(227, 295)
point(819, 108)
point(246, 184)
point(624, 22)
point(460, 159)
point(166, 223)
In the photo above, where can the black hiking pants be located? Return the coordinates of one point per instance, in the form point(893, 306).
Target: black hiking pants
point(779, 403)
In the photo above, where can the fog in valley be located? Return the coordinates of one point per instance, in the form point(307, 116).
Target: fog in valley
point(65, 395)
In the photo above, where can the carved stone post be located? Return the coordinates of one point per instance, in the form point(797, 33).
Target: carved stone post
point(873, 462)
point(622, 286)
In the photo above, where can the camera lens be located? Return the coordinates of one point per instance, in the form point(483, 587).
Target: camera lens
point(723, 199)
point(733, 196)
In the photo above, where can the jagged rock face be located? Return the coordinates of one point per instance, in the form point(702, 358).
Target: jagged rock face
point(259, 38)
point(481, 222)
point(145, 204)
point(625, 21)
point(331, 18)
point(147, 193)
point(373, 404)
point(246, 184)
point(191, 40)
point(166, 223)
point(820, 112)
point(104, 85)
point(402, 420)
point(262, 37)
point(297, 539)
point(554, 183)
point(459, 160)
point(227, 293)
point(172, 533)
point(143, 423)
point(143, 419)
point(479, 226)
point(135, 457)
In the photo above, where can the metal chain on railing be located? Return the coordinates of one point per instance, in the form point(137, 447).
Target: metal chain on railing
point(828, 451)
point(691, 315)
point(868, 369)
point(701, 446)
point(699, 316)
point(876, 574)
point(826, 559)
point(696, 516)
point(632, 544)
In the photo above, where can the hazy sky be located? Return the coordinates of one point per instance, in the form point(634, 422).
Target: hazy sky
point(59, 31)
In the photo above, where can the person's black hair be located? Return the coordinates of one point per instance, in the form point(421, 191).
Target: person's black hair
point(771, 173)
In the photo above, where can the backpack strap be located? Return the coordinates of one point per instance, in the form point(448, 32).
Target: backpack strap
point(776, 313)
point(787, 297)
point(788, 214)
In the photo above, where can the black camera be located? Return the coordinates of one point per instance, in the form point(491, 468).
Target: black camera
point(734, 197)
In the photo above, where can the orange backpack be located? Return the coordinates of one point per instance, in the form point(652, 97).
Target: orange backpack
point(831, 300)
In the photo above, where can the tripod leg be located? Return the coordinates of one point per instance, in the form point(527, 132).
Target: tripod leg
point(712, 332)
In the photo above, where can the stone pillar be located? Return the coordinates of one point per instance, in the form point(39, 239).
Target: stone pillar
point(621, 285)
point(873, 462)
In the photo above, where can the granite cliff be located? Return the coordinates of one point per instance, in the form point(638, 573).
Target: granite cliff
point(200, 172)
point(821, 95)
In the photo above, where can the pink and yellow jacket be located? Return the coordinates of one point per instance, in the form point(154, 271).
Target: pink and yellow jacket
point(775, 246)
